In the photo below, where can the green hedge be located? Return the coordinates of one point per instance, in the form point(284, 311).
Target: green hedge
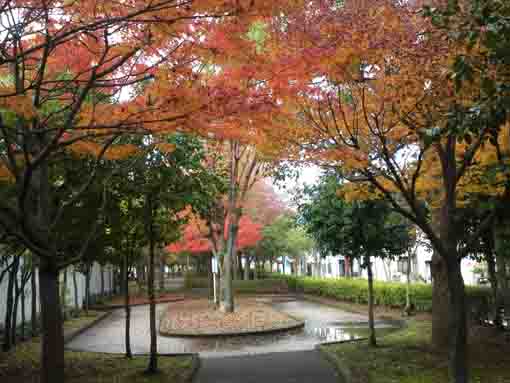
point(259, 286)
point(391, 294)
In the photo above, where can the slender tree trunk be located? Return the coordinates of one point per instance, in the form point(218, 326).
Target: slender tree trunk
point(87, 289)
point(210, 278)
point(227, 305)
point(408, 309)
point(217, 279)
point(153, 359)
point(63, 291)
point(127, 309)
point(491, 269)
point(255, 271)
point(371, 323)
point(501, 262)
point(101, 271)
point(33, 301)
point(246, 268)
point(440, 302)
point(14, 324)
point(234, 211)
point(348, 272)
point(161, 275)
point(13, 274)
point(52, 355)
point(235, 268)
point(75, 290)
point(23, 309)
point(240, 267)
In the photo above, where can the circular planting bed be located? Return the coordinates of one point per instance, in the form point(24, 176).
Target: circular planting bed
point(200, 318)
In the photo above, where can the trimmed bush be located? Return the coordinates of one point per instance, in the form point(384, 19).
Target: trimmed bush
point(390, 294)
point(259, 286)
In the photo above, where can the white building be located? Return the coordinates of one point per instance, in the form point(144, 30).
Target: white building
point(384, 270)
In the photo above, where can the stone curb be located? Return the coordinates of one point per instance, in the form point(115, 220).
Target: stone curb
point(74, 333)
point(185, 334)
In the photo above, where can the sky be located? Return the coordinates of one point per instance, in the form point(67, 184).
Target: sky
point(309, 175)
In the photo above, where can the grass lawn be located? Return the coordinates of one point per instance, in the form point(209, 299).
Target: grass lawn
point(406, 357)
point(22, 364)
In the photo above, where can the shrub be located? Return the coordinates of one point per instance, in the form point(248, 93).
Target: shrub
point(390, 294)
point(259, 286)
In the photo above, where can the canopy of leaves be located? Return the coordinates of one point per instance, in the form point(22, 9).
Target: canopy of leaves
point(354, 229)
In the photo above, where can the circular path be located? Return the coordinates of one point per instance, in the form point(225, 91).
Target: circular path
point(322, 324)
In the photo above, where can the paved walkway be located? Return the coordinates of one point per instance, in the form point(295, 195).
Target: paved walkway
point(288, 357)
point(282, 367)
point(322, 324)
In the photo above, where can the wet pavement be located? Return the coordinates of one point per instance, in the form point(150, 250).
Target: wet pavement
point(281, 367)
point(322, 324)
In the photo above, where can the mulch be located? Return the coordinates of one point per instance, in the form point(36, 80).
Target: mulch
point(201, 318)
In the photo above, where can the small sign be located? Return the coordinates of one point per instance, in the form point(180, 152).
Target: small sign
point(214, 265)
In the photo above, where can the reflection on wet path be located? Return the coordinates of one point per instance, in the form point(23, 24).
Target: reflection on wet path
point(322, 324)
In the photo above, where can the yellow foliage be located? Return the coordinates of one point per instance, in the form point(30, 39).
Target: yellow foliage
point(5, 174)
point(20, 104)
point(165, 147)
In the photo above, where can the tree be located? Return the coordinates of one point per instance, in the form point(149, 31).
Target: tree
point(358, 229)
point(164, 181)
point(322, 214)
point(285, 238)
point(380, 105)
point(64, 66)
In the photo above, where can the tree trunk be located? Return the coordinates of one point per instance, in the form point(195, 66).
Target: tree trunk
point(63, 288)
point(255, 271)
point(348, 272)
point(371, 325)
point(153, 359)
point(161, 275)
point(87, 289)
point(23, 309)
point(440, 302)
point(457, 319)
point(75, 289)
point(13, 274)
point(408, 309)
point(240, 268)
point(210, 278)
point(491, 270)
point(246, 268)
point(501, 275)
point(33, 301)
point(14, 323)
point(236, 276)
point(218, 288)
point(52, 345)
point(101, 272)
point(457, 324)
point(127, 309)
point(227, 304)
